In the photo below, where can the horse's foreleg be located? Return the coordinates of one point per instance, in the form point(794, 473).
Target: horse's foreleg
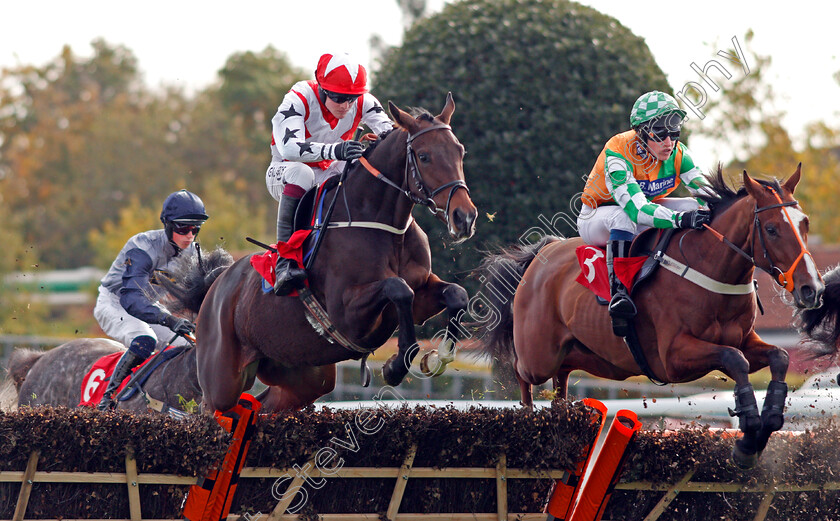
point(401, 295)
point(429, 300)
point(761, 354)
point(690, 355)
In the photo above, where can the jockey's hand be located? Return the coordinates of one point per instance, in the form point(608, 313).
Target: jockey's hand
point(694, 219)
point(348, 150)
point(181, 326)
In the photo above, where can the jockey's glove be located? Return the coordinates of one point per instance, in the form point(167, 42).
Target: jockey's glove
point(348, 150)
point(693, 219)
point(181, 326)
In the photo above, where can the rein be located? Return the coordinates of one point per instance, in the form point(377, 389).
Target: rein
point(411, 167)
point(782, 278)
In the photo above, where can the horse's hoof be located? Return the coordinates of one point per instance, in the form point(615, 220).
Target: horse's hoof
point(439, 367)
point(390, 374)
point(743, 460)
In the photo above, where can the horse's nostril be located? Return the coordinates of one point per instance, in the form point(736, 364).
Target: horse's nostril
point(459, 217)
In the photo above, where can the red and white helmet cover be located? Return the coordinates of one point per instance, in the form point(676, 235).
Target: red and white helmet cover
point(340, 73)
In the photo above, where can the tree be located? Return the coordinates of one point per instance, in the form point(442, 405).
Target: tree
point(539, 85)
point(47, 115)
point(253, 84)
point(745, 119)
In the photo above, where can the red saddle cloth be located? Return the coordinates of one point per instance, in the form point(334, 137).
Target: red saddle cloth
point(96, 379)
point(593, 270)
point(293, 249)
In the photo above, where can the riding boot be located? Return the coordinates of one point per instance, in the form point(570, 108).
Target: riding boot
point(288, 275)
point(622, 309)
point(127, 362)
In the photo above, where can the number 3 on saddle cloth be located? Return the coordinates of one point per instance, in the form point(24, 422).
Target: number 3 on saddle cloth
point(265, 262)
point(293, 249)
point(593, 270)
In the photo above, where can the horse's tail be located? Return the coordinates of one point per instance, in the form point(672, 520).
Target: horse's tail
point(822, 324)
point(190, 279)
point(20, 362)
point(500, 274)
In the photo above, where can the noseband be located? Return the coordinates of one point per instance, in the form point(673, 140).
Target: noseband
point(427, 198)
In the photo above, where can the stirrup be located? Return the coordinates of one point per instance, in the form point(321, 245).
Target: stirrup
point(622, 307)
point(288, 281)
point(107, 403)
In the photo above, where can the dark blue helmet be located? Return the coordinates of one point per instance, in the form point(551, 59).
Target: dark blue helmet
point(183, 206)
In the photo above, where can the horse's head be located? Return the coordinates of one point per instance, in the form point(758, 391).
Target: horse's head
point(435, 159)
point(780, 238)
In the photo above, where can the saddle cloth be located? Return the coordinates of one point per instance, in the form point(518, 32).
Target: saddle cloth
point(96, 379)
point(309, 213)
point(265, 263)
point(593, 270)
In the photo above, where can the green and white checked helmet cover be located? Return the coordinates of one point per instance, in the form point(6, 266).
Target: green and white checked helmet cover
point(651, 105)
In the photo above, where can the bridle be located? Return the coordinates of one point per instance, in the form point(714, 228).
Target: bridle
point(427, 197)
point(782, 278)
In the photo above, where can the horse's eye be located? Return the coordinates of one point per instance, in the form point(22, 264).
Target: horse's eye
point(771, 230)
point(424, 157)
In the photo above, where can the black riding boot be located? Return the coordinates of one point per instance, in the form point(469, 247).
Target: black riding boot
point(128, 362)
point(289, 276)
point(622, 309)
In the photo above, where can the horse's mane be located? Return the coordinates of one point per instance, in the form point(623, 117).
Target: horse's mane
point(190, 280)
point(417, 113)
point(722, 196)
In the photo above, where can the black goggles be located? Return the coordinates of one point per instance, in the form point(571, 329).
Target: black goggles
point(183, 229)
point(662, 133)
point(341, 98)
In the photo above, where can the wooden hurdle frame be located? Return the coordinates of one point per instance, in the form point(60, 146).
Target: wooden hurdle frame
point(686, 485)
point(132, 480)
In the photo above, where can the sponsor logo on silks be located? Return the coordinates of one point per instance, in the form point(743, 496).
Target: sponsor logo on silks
point(656, 186)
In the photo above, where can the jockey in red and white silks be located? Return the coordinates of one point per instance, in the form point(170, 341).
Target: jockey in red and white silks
point(312, 134)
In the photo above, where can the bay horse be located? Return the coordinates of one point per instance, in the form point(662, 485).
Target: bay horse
point(554, 325)
point(371, 276)
point(54, 377)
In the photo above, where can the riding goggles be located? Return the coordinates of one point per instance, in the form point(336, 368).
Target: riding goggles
point(183, 229)
point(341, 98)
point(662, 133)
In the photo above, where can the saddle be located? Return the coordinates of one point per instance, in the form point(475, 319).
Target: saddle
point(312, 201)
point(651, 243)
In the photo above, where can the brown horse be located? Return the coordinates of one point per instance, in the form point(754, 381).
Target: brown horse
point(369, 280)
point(554, 325)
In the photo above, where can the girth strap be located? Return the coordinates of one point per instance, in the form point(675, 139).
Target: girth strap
point(320, 315)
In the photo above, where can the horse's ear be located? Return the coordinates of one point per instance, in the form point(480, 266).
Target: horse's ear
point(753, 187)
point(448, 109)
point(792, 181)
point(400, 117)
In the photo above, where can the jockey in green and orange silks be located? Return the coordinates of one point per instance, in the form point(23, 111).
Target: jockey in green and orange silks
point(626, 191)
